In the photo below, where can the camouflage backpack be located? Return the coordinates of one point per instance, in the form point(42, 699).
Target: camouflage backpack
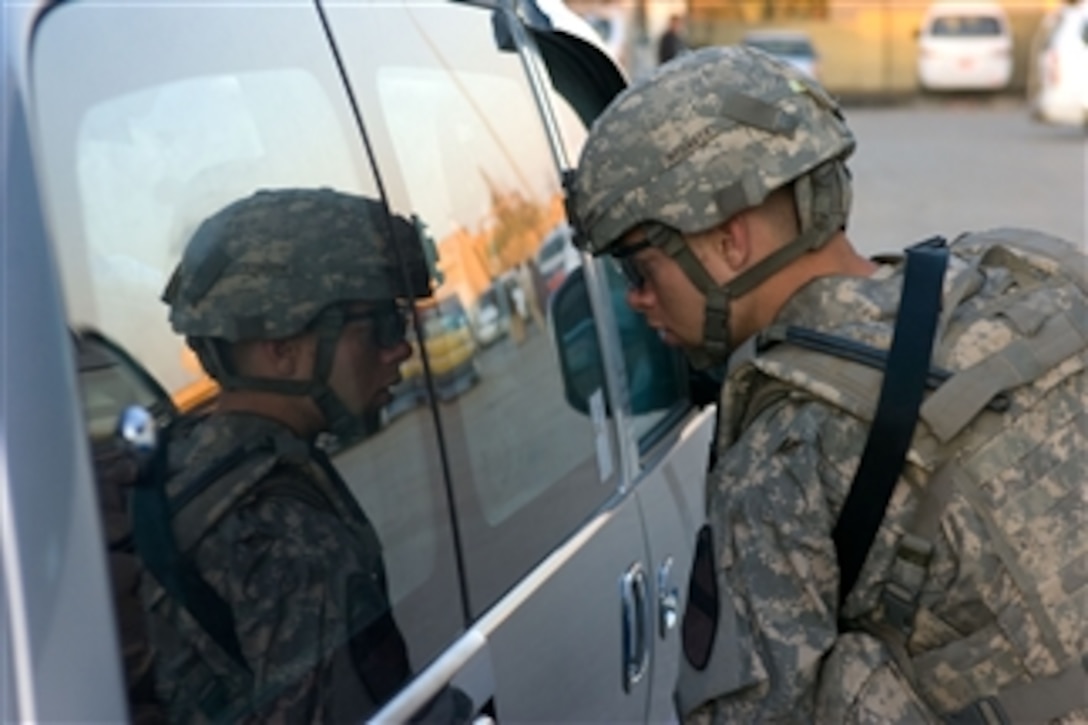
point(110, 381)
point(1004, 438)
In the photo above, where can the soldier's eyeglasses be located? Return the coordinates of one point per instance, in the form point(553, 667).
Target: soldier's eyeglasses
point(628, 266)
point(388, 323)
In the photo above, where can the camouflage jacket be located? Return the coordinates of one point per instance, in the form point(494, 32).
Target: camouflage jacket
point(280, 538)
point(1003, 598)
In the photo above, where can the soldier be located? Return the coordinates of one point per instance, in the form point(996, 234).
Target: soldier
point(270, 599)
point(861, 562)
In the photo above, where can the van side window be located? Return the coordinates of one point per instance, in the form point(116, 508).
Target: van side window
point(458, 141)
point(656, 374)
point(154, 118)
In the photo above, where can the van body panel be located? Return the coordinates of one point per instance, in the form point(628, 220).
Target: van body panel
point(52, 562)
point(672, 498)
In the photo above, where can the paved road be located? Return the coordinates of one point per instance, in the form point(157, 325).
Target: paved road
point(958, 165)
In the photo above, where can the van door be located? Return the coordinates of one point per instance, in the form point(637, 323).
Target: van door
point(672, 496)
point(664, 422)
point(53, 666)
point(552, 552)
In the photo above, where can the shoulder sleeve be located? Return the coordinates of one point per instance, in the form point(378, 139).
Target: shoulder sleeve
point(310, 608)
point(775, 563)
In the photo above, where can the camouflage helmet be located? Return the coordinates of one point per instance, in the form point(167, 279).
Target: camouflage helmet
point(703, 138)
point(265, 267)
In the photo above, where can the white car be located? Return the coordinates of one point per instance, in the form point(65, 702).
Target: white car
point(490, 322)
point(965, 46)
point(557, 257)
point(1058, 92)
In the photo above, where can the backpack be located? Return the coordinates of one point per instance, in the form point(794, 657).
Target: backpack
point(966, 435)
point(111, 380)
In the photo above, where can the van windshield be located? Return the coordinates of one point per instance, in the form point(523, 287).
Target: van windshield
point(965, 26)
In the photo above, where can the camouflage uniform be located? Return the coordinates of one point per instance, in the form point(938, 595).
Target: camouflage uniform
point(260, 513)
point(785, 470)
point(1001, 593)
point(301, 568)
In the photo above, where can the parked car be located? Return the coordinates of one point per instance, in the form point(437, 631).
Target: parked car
point(557, 257)
point(451, 353)
point(1058, 76)
point(792, 46)
point(537, 544)
point(965, 46)
point(490, 320)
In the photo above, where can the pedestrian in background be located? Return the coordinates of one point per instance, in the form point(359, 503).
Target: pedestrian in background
point(672, 42)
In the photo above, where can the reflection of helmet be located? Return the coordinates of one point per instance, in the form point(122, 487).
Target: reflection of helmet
point(705, 137)
point(278, 263)
point(266, 266)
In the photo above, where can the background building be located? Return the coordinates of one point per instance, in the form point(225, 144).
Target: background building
point(865, 46)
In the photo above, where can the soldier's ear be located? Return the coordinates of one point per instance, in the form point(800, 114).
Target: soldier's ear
point(736, 242)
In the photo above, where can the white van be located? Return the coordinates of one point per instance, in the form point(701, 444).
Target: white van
point(965, 46)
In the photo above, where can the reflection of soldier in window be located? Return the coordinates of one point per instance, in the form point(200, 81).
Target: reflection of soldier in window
point(291, 301)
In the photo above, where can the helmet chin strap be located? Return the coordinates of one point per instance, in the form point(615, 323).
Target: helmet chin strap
point(716, 346)
point(823, 198)
point(339, 420)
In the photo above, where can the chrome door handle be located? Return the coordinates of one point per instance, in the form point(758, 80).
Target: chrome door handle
point(668, 599)
point(636, 643)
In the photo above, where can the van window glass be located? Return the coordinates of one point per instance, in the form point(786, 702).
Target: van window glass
point(656, 374)
point(153, 118)
point(9, 704)
point(460, 143)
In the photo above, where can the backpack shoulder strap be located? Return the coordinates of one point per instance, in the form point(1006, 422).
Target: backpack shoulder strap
point(896, 413)
point(217, 489)
point(852, 376)
point(153, 537)
point(165, 530)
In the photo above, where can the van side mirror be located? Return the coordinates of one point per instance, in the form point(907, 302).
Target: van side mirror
point(657, 376)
